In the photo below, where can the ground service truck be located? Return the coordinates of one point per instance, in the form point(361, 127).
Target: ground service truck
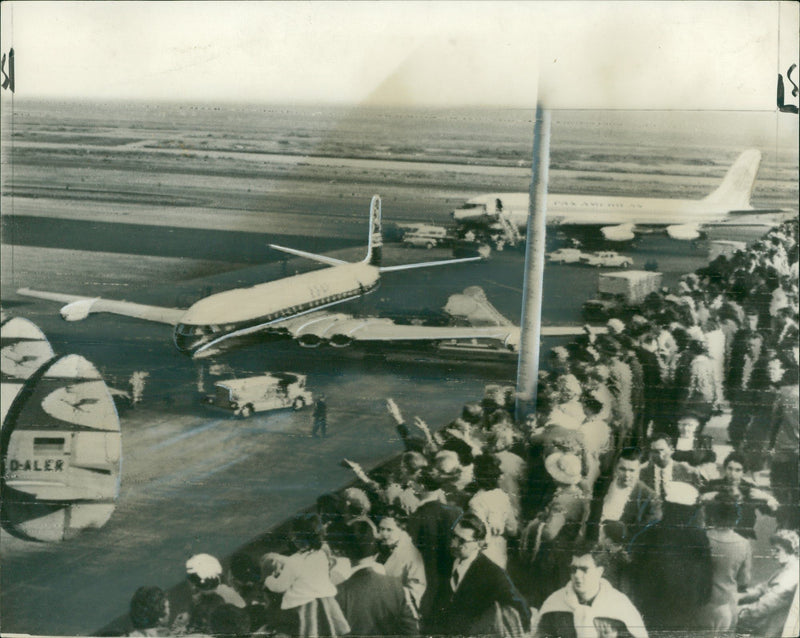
point(620, 293)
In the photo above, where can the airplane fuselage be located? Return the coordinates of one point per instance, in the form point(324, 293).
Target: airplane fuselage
point(243, 311)
point(592, 210)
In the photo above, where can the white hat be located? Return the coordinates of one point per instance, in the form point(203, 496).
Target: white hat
point(680, 493)
point(204, 566)
point(564, 468)
point(615, 325)
point(696, 333)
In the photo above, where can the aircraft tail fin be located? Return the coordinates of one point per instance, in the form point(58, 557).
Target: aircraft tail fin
point(375, 243)
point(737, 185)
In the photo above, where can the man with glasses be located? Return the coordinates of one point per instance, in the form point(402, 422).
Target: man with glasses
point(480, 589)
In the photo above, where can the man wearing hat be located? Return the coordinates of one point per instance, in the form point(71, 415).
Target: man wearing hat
point(671, 568)
point(692, 447)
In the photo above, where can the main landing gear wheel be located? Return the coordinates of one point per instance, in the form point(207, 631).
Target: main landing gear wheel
point(299, 403)
point(247, 410)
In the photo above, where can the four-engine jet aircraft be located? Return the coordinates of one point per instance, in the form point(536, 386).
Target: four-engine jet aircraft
point(620, 218)
point(261, 308)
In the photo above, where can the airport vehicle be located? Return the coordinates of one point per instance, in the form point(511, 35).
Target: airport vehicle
point(565, 256)
point(265, 307)
point(621, 218)
point(619, 293)
point(606, 258)
point(724, 247)
point(273, 391)
point(61, 443)
point(426, 236)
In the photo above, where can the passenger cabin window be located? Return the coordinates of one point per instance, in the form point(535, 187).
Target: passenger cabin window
point(43, 446)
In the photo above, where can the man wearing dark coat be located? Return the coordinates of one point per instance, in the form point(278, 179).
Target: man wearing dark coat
point(320, 417)
point(671, 568)
point(662, 469)
point(429, 528)
point(373, 603)
point(622, 506)
point(476, 585)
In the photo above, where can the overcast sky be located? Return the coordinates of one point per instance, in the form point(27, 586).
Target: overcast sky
point(687, 55)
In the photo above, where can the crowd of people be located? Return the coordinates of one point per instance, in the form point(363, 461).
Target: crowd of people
point(605, 512)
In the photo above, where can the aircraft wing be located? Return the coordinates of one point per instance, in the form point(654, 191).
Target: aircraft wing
point(323, 259)
point(486, 325)
point(341, 330)
point(78, 308)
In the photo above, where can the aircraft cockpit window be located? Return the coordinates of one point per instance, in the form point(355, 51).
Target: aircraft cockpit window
point(465, 206)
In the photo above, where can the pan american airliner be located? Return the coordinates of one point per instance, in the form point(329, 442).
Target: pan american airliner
point(621, 218)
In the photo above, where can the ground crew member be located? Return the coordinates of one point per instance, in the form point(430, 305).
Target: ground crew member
point(320, 417)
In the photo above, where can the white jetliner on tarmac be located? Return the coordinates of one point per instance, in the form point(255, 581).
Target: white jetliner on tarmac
point(619, 218)
point(262, 308)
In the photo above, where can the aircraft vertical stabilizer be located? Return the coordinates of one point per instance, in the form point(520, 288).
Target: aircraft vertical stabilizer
point(375, 245)
point(737, 186)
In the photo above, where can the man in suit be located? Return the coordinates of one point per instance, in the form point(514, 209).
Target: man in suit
point(623, 506)
point(476, 584)
point(373, 603)
point(663, 470)
point(429, 527)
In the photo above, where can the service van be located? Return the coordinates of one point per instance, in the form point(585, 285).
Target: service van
point(248, 395)
point(426, 236)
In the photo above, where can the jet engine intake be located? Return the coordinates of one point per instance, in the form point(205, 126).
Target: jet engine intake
point(341, 340)
point(686, 232)
point(309, 340)
point(621, 232)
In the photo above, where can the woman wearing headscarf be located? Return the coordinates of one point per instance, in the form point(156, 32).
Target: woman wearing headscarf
point(547, 539)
